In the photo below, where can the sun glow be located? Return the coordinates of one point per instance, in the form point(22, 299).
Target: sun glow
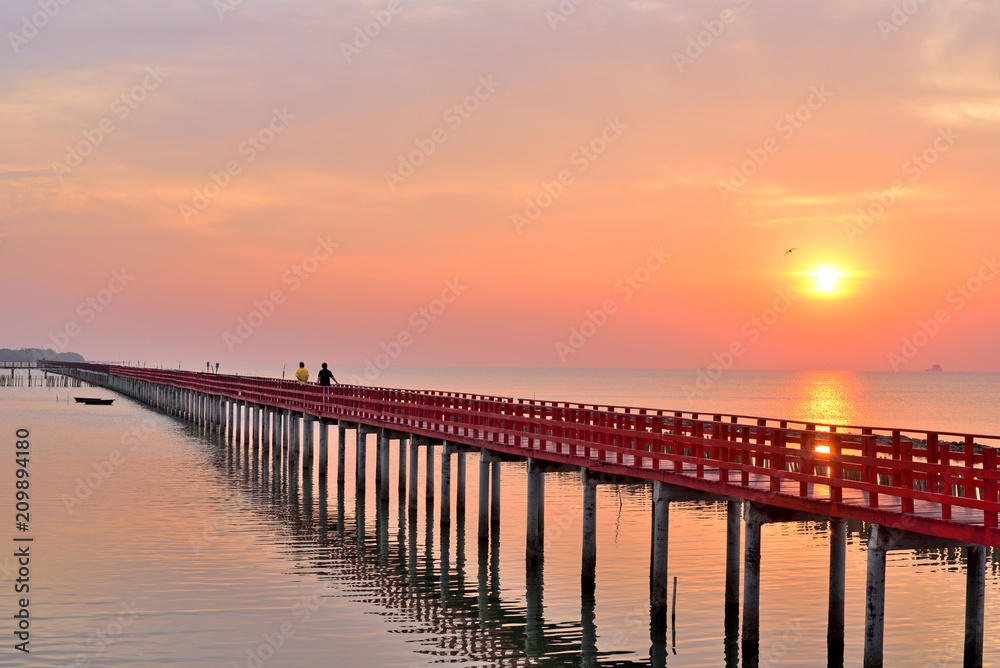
point(827, 279)
point(829, 282)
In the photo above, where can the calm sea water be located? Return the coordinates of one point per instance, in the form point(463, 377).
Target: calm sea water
point(155, 544)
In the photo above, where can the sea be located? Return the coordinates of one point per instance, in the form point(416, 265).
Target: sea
point(153, 543)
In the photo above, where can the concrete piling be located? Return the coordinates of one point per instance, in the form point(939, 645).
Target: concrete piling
point(975, 605)
point(661, 529)
point(589, 566)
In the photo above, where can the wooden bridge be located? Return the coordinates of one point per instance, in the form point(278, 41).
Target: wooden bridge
point(916, 488)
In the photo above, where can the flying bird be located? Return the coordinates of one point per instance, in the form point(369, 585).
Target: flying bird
point(790, 250)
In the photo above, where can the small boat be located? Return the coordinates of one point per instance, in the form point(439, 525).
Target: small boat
point(94, 401)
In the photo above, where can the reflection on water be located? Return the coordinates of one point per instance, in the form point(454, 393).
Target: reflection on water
point(827, 396)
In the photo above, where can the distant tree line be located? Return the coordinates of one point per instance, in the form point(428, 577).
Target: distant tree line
point(35, 354)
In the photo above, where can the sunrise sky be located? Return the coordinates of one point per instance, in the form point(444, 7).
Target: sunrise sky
point(598, 184)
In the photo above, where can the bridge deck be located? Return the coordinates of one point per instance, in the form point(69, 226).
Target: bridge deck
point(935, 483)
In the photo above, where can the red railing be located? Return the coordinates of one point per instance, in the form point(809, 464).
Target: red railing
point(940, 482)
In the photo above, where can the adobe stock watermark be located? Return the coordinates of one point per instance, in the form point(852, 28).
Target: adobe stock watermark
point(957, 298)
point(564, 10)
point(302, 612)
point(454, 116)
point(915, 167)
point(294, 277)
point(581, 158)
point(91, 481)
point(90, 307)
point(223, 7)
point(32, 24)
point(898, 17)
point(121, 108)
point(750, 333)
point(786, 127)
point(364, 34)
point(99, 641)
point(212, 530)
point(703, 39)
point(419, 321)
point(247, 152)
point(597, 318)
point(792, 636)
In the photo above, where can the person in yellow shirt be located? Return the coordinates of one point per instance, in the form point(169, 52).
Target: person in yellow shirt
point(302, 373)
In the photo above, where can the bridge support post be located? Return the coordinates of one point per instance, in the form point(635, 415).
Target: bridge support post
point(404, 445)
point(838, 566)
point(341, 451)
point(379, 456)
point(429, 473)
point(484, 495)
point(495, 499)
point(733, 508)
point(533, 542)
point(661, 531)
point(307, 441)
point(445, 486)
point(875, 599)
point(265, 432)
point(414, 474)
point(324, 447)
point(237, 422)
point(975, 605)
point(460, 498)
point(751, 589)
point(383, 473)
point(360, 463)
point(275, 415)
point(247, 418)
point(588, 569)
point(253, 412)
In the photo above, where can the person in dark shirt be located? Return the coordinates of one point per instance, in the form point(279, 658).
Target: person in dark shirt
point(325, 376)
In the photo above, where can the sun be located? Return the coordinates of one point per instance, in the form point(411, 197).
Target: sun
point(827, 279)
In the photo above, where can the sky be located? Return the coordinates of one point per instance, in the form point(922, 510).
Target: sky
point(503, 183)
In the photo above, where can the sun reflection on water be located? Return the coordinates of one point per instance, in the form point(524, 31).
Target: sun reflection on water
point(830, 397)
